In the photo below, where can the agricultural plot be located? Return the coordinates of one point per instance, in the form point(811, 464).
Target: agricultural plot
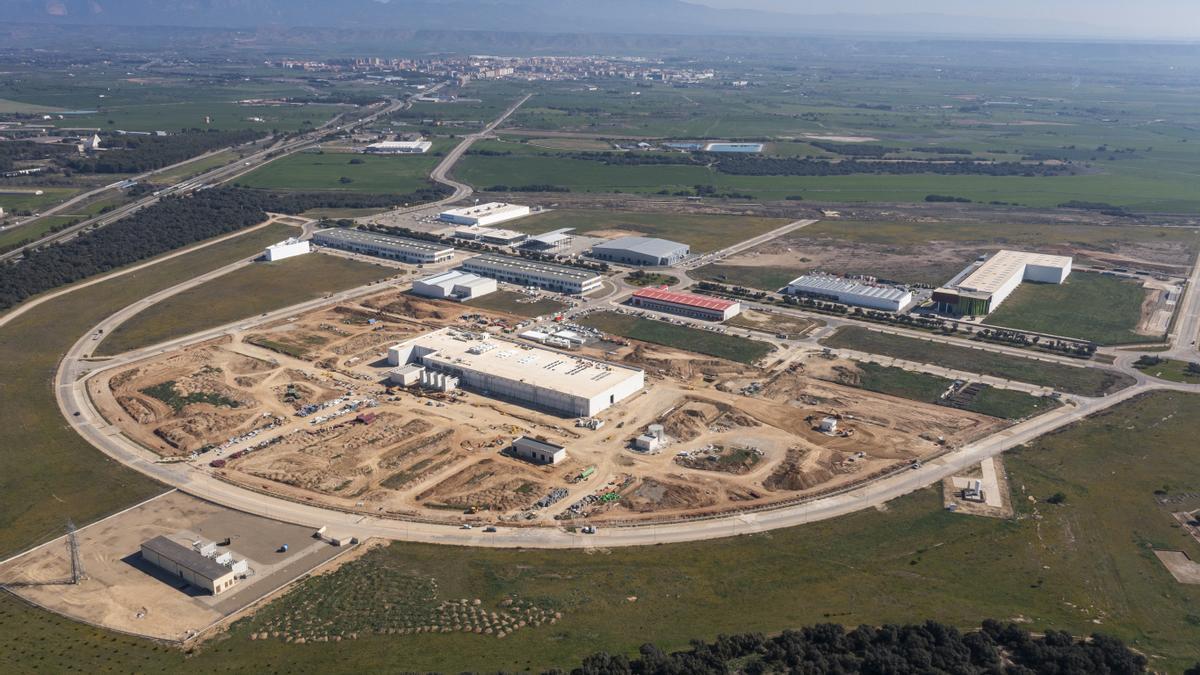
point(17, 200)
point(703, 232)
point(1106, 310)
point(1083, 380)
point(345, 172)
point(246, 292)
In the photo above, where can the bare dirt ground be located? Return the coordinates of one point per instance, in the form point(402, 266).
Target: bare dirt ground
point(1184, 569)
point(738, 436)
point(123, 592)
point(997, 501)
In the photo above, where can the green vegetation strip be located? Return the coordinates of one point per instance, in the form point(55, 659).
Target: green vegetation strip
point(48, 473)
point(1086, 381)
point(167, 393)
point(1088, 306)
point(345, 172)
point(260, 287)
point(729, 347)
point(1003, 403)
point(1169, 369)
point(1083, 565)
point(703, 232)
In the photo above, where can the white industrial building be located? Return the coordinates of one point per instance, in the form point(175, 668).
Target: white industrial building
point(532, 376)
point(417, 147)
point(454, 285)
point(286, 249)
point(412, 251)
point(850, 292)
point(979, 290)
point(199, 564)
point(558, 278)
point(538, 451)
point(482, 215)
point(641, 251)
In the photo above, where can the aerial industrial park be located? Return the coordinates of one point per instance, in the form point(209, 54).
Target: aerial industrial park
point(403, 353)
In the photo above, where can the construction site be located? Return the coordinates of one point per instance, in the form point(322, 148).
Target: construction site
point(318, 408)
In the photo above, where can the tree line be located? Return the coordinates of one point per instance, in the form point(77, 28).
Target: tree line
point(139, 154)
point(171, 223)
point(930, 647)
point(796, 166)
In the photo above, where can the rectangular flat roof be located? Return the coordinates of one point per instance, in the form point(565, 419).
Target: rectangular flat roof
point(662, 248)
point(1000, 268)
point(538, 443)
point(522, 265)
point(187, 557)
point(832, 285)
point(378, 239)
point(688, 299)
point(479, 210)
point(522, 362)
point(400, 144)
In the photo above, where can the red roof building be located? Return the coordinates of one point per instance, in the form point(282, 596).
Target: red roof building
point(685, 304)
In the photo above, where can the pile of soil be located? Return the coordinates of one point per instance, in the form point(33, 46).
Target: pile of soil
point(798, 471)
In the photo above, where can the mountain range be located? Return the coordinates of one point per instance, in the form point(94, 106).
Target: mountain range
point(545, 16)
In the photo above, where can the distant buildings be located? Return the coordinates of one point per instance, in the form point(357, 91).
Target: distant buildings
point(850, 292)
point(411, 251)
point(286, 249)
point(641, 251)
point(734, 147)
point(399, 147)
point(685, 304)
point(979, 289)
point(482, 215)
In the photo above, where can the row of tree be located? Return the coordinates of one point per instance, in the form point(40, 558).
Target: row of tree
point(797, 166)
point(930, 647)
point(139, 154)
point(173, 222)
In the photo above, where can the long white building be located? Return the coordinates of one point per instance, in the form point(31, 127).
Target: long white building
point(399, 148)
point(411, 251)
point(536, 377)
point(286, 249)
point(483, 215)
point(979, 290)
point(522, 272)
point(848, 292)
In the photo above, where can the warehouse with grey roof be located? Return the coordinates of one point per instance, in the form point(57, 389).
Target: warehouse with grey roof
point(647, 251)
point(850, 292)
point(413, 251)
point(522, 272)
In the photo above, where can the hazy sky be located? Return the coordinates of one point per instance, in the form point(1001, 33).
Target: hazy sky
point(1168, 18)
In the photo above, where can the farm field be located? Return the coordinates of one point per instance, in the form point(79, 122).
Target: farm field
point(702, 232)
point(1088, 381)
point(1002, 403)
point(52, 474)
point(515, 303)
point(1072, 573)
point(261, 287)
point(932, 252)
point(1088, 306)
point(730, 347)
point(194, 167)
point(39, 228)
point(15, 201)
point(365, 173)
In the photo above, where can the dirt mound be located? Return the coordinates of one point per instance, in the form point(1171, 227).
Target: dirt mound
point(410, 307)
point(800, 470)
point(734, 459)
point(696, 417)
point(248, 365)
point(487, 484)
point(192, 433)
point(142, 411)
point(655, 495)
point(684, 365)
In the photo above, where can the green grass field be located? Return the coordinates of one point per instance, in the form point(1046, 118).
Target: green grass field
point(376, 174)
point(703, 233)
point(28, 201)
point(1172, 370)
point(1087, 306)
point(1002, 403)
point(261, 287)
point(34, 230)
point(194, 167)
point(515, 303)
point(1085, 565)
point(1086, 381)
point(729, 347)
point(48, 472)
point(766, 278)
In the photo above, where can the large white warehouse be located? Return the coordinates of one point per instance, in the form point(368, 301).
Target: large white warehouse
point(482, 215)
point(384, 246)
point(455, 284)
point(641, 251)
point(419, 147)
point(286, 249)
point(850, 292)
point(536, 377)
point(979, 290)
